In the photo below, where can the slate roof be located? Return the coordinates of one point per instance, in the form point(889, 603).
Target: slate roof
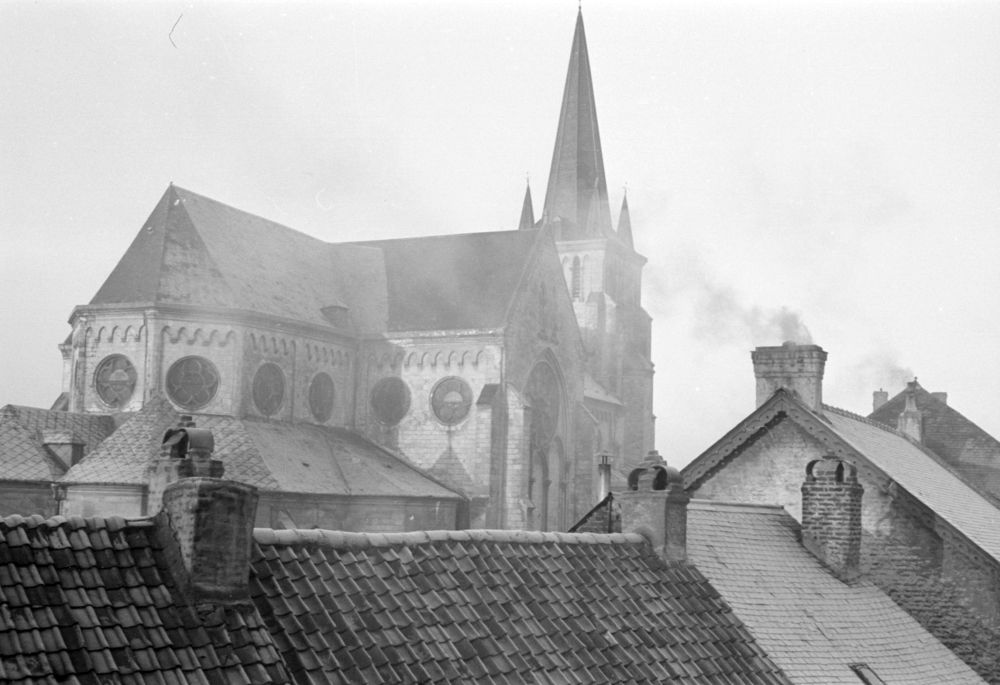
point(23, 455)
point(922, 476)
point(811, 624)
point(494, 607)
point(465, 281)
point(270, 455)
point(195, 250)
point(91, 601)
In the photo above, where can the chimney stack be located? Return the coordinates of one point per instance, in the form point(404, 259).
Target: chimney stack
point(911, 420)
point(831, 515)
point(655, 506)
point(208, 521)
point(879, 397)
point(603, 475)
point(941, 397)
point(798, 368)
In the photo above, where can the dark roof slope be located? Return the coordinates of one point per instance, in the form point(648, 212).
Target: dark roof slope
point(495, 606)
point(950, 435)
point(811, 624)
point(271, 455)
point(195, 250)
point(454, 281)
point(23, 431)
point(92, 601)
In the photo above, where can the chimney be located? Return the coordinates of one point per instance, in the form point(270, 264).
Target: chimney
point(603, 475)
point(911, 420)
point(208, 521)
point(879, 397)
point(655, 506)
point(941, 397)
point(186, 451)
point(798, 368)
point(831, 515)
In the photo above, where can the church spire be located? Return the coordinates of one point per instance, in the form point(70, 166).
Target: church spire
point(578, 192)
point(625, 223)
point(527, 210)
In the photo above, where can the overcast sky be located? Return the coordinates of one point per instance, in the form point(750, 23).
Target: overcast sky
point(828, 165)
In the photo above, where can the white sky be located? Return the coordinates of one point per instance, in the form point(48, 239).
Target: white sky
point(836, 161)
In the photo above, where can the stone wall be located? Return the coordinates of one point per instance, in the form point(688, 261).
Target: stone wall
point(26, 498)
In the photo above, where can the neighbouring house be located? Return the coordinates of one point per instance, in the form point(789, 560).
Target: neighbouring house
point(930, 540)
point(930, 420)
point(797, 587)
point(195, 595)
point(37, 447)
point(498, 363)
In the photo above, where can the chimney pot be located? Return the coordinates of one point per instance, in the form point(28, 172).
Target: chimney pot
point(879, 397)
point(798, 368)
point(655, 505)
point(831, 515)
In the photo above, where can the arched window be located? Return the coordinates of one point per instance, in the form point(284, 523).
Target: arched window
point(575, 278)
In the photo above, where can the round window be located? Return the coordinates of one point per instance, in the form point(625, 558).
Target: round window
point(192, 382)
point(451, 399)
point(390, 400)
point(268, 389)
point(321, 396)
point(115, 380)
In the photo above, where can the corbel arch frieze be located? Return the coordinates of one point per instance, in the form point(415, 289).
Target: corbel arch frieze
point(198, 336)
point(443, 358)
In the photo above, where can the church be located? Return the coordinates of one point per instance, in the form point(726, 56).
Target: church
point(470, 380)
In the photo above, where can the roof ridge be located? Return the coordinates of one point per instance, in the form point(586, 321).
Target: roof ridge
point(864, 419)
point(336, 538)
point(112, 523)
point(378, 241)
point(710, 504)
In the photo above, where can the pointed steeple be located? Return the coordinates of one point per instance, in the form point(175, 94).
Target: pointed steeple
point(578, 192)
point(527, 210)
point(625, 223)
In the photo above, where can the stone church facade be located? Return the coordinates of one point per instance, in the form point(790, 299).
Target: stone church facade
point(468, 379)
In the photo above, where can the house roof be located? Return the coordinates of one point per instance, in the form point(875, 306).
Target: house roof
point(196, 251)
point(950, 435)
point(23, 431)
point(495, 606)
point(918, 471)
point(812, 624)
point(270, 455)
point(95, 600)
point(464, 281)
point(91, 601)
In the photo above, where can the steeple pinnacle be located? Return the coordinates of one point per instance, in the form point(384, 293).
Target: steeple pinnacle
point(625, 223)
point(578, 192)
point(527, 210)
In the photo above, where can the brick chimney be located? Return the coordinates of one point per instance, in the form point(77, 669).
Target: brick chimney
point(207, 521)
point(831, 515)
point(655, 506)
point(798, 368)
point(879, 397)
point(186, 451)
point(911, 420)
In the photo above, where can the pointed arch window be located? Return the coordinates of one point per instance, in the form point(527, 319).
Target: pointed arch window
point(576, 276)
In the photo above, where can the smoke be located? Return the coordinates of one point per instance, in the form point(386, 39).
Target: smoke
point(878, 370)
point(721, 317)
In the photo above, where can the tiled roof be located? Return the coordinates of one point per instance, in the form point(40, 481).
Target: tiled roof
point(195, 250)
point(270, 455)
point(923, 477)
point(91, 601)
point(494, 607)
point(22, 429)
point(811, 624)
point(454, 281)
